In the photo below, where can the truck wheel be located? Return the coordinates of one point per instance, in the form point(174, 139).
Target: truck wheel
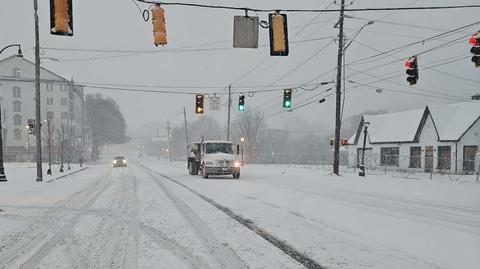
point(236, 175)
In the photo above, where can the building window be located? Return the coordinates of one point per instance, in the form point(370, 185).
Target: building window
point(389, 156)
point(444, 157)
point(49, 100)
point(63, 87)
point(50, 115)
point(17, 106)
point(64, 115)
point(415, 157)
point(17, 72)
point(17, 133)
point(469, 158)
point(17, 93)
point(49, 87)
point(63, 101)
point(17, 120)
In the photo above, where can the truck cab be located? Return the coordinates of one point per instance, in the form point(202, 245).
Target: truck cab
point(214, 158)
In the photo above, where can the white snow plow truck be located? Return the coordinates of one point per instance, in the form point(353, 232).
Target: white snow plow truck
point(214, 158)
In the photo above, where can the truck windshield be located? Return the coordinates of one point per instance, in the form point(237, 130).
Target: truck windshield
point(219, 148)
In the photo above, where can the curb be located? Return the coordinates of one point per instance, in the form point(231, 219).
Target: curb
point(66, 175)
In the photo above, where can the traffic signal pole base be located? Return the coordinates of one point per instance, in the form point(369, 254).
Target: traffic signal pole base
point(3, 178)
point(39, 179)
point(362, 171)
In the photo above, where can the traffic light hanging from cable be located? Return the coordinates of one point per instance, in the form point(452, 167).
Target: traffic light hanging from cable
point(412, 70)
point(61, 17)
point(475, 50)
point(199, 104)
point(159, 29)
point(278, 34)
point(241, 103)
point(287, 98)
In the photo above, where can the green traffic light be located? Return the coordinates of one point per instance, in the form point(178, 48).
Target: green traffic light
point(241, 107)
point(288, 104)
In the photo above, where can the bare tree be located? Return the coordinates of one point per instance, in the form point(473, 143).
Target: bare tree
point(251, 125)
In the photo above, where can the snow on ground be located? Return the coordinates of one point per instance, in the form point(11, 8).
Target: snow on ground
point(351, 222)
point(121, 218)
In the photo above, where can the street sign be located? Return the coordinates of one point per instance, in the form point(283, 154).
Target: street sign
point(214, 102)
point(245, 32)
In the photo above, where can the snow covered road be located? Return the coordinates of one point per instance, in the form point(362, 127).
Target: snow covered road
point(124, 218)
point(155, 215)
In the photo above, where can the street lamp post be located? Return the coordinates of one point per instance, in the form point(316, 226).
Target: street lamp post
point(3, 177)
point(38, 122)
point(242, 140)
point(366, 124)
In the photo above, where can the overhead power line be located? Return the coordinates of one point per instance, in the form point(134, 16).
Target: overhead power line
point(306, 10)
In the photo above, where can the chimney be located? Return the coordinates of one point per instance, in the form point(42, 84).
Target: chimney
point(476, 97)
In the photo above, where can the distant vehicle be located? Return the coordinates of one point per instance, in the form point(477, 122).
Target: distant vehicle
point(214, 158)
point(119, 161)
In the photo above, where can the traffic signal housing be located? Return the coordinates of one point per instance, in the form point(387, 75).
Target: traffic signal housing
point(475, 50)
point(241, 103)
point(199, 101)
point(412, 70)
point(61, 17)
point(31, 126)
point(278, 34)
point(287, 98)
point(159, 29)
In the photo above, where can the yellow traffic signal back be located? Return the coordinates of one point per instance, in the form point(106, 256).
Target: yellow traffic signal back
point(159, 29)
point(278, 34)
point(61, 17)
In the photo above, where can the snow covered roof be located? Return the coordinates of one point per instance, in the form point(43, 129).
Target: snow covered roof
point(453, 120)
point(394, 127)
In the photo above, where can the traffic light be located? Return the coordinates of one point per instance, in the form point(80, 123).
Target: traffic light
point(31, 126)
point(159, 30)
point(199, 104)
point(61, 17)
point(412, 70)
point(241, 103)
point(278, 34)
point(475, 50)
point(287, 98)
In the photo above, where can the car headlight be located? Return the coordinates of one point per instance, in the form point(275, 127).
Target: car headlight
point(236, 164)
point(115, 161)
point(209, 163)
point(124, 161)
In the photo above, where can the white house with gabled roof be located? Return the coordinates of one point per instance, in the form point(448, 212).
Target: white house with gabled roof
point(441, 138)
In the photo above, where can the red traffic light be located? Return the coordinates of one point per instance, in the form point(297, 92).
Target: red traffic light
point(409, 64)
point(474, 41)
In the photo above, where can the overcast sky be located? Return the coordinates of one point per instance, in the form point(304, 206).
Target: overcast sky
point(118, 25)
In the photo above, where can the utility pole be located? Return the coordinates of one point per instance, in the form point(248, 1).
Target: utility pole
point(49, 171)
point(169, 142)
point(186, 130)
point(158, 143)
point(38, 122)
point(229, 106)
point(3, 177)
point(336, 155)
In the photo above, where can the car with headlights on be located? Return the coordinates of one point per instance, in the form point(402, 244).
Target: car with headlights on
point(119, 161)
